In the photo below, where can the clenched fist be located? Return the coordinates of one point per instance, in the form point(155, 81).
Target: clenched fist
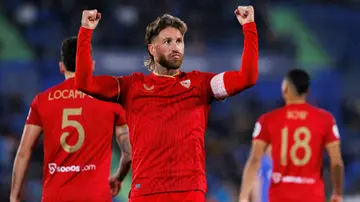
point(245, 14)
point(90, 19)
point(115, 185)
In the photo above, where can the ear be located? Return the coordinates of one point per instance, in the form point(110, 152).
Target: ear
point(284, 86)
point(151, 49)
point(62, 67)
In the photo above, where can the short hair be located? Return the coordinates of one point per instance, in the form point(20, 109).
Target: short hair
point(300, 79)
point(155, 27)
point(68, 53)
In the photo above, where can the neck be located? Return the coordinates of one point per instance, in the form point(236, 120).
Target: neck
point(69, 75)
point(295, 101)
point(162, 71)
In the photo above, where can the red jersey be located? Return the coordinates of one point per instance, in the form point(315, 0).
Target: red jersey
point(297, 134)
point(169, 156)
point(167, 115)
point(78, 131)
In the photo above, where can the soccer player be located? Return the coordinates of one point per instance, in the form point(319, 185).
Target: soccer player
point(167, 110)
point(77, 131)
point(298, 134)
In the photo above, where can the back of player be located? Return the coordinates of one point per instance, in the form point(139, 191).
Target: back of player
point(298, 134)
point(78, 133)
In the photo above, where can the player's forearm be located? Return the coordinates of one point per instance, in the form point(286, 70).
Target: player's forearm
point(255, 192)
point(337, 175)
point(237, 81)
point(20, 166)
point(84, 64)
point(249, 177)
point(102, 87)
point(124, 168)
point(125, 160)
point(249, 63)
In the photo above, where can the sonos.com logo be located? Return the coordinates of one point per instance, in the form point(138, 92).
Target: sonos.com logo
point(73, 168)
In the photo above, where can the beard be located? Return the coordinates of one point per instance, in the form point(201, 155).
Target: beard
point(170, 62)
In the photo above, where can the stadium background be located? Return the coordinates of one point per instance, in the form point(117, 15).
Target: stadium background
point(321, 36)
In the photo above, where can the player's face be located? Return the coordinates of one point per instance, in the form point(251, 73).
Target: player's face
point(168, 49)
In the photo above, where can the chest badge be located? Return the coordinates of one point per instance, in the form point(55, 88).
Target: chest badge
point(186, 83)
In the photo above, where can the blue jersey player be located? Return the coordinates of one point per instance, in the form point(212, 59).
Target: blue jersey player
point(265, 177)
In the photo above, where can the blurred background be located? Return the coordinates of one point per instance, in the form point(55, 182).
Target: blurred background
point(321, 36)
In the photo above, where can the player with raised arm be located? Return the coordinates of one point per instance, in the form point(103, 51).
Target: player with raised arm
point(167, 110)
point(298, 134)
point(77, 131)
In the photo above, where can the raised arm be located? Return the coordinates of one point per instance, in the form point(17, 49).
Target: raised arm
point(233, 82)
point(102, 87)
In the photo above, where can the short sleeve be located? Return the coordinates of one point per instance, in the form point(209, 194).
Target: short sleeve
point(34, 115)
point(120, 116)
point(260, 130)
point(332, 134)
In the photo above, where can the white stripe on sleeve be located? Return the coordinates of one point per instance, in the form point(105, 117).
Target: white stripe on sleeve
point(218, 86)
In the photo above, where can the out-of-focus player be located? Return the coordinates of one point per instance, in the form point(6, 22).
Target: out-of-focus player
point(167, 110)
point(77, 131)
point(298, 134)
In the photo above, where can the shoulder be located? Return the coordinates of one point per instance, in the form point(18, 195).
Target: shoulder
point(36, 99)
point(40, 96)
point(137, 75)
point(133, 77)
point(56, 90)
point(323, 114)
point(271, 115)
point(201, 76)
point(200, 73)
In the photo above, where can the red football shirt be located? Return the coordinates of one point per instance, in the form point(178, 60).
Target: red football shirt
point(169, 156)
point(297, 134)
point(167, 116)
point(78, 131)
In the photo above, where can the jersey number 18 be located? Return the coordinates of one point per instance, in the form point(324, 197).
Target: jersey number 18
point(298, 143)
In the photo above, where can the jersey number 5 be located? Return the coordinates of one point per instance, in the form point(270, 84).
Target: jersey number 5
point(66, 122)
point(298, 143)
